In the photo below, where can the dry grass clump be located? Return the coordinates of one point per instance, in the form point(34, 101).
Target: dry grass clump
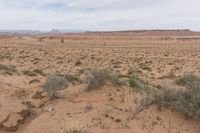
point(73, 130)
point(137, 83)
point(165, 98)
point(73, 127)
point(114, 78)
point(7, 69)
point(39, 71)
point(72, 78)
point(187, 79)
point(33, 72)
point(53, 84)
point(96, 78)
point(29, 73)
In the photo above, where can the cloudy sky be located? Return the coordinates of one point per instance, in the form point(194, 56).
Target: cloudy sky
point(100, 14)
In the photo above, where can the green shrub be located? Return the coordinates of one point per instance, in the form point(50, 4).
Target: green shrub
point(136, 83)
point(116, 82)
point(53, 84)
point(114, 79)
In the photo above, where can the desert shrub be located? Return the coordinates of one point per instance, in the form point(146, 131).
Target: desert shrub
point(114, 79)
point(95, 78)
point(137, 83)
point(53, 84)
point(187, 79)
point(165, 98)
point(69, 77)
point(186, 102)
point(169, 75)
point(116, 82)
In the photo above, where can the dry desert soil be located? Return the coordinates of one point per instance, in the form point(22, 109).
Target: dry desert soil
point(159, 59)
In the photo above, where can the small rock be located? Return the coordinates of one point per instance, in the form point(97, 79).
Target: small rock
point(78, 63)
point(50, 109)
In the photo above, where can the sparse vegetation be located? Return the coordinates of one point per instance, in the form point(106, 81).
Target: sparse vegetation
point(187, 79)
point(33, 72)
point(53, 84)
point(137, 83)
point(96, 78)
point(4, 67)
point(7, 69)
point(74, 127)
point(186, 102)
point(165, 98)
point(72, 78)
point(141, 75)
point(114, 79)
point(39, 71)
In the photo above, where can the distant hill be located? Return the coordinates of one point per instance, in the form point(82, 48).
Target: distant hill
point(23, 32)
point(184, 32)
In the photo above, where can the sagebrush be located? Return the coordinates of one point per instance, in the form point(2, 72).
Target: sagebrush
point(96, 78)
point(53, 84)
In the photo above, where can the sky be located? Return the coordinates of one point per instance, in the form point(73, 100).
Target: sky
point(99, 15)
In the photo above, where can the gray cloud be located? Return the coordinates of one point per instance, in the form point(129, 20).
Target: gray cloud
point(99, 14)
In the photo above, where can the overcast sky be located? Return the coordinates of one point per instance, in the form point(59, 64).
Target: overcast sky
point(100, 14)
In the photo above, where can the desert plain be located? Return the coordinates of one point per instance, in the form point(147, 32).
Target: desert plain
point(158, 57)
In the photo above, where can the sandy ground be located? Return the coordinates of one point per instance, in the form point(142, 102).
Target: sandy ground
point(24, 108)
